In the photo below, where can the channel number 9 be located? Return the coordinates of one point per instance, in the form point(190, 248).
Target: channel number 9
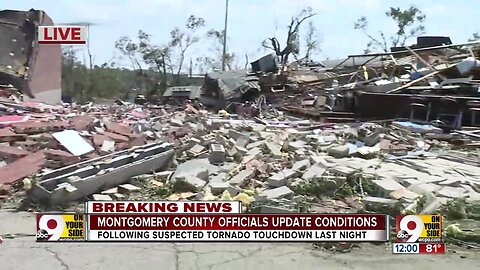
point(411, 228)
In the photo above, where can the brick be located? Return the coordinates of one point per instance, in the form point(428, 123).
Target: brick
point(119, 129)
point(22, 168)
point(276, 193)
point(7, 135)
point(137, 140)
point(116, 137)
point(29, 145)
point(32, 127)
point(9, 152)
point(241, 178)
point(82, 122)
point(217, 154)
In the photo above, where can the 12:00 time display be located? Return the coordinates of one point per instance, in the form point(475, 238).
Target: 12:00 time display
point(405, 248)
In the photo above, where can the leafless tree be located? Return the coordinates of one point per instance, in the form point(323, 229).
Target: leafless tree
point(292, 42)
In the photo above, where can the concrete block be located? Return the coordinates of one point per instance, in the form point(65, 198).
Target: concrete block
point(404, 194)
point(387, 186)
point(314, 171)
point(234, 134)
point(128, 188)
point(425, 188)
point(295, 145)
point(280, 179)
point(372, 138)
point(258, 144)
point(101, 197)
point(276, 193)
point(176, 122)
point(452, 192)
point(432, 206)
point(193, 141)
point(339, 151)
point(217, 154)
point(242, 141)
point(118, 196)
point(242, 177)
point(200, 168)
point(110, 191)
point(269, 209)
point(195, 150)
point(376, 203)
point(185, 183)
point(218, 187)
point(274, 149)
point(301, 165)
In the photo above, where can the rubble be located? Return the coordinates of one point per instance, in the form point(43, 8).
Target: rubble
point(330, 159)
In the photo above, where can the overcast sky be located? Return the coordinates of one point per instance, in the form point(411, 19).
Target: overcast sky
point(250, 21)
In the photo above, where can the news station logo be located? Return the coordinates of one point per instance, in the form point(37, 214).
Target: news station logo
point(419, 228)
point(63, 35)
point(60, 227)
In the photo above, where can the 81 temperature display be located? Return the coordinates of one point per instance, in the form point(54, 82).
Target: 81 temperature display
point(418, 248)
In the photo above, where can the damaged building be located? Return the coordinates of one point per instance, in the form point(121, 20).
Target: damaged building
point(24, 65)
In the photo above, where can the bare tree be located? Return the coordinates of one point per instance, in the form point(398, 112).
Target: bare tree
point(409, 24)
point(292, 42)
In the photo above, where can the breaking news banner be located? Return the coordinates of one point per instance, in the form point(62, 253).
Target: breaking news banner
point(418, 234)
point(157, 207)
point(60, 227)
point(237, 227)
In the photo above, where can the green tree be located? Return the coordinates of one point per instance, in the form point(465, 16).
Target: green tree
point(214, 61)
point(182, 40)
point(475, 37)
point(312, 41)
point(409, 24)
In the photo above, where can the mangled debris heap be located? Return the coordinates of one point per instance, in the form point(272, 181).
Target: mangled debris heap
point(433, 80)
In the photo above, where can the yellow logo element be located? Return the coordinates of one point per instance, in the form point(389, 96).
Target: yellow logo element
point(419, 228)
point(60, 227)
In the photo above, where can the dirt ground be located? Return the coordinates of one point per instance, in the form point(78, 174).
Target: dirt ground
point(19, 251)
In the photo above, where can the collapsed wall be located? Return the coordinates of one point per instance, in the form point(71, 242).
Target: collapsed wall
point(32, 69)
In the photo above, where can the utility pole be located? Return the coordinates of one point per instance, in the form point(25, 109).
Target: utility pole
point(225, 37)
